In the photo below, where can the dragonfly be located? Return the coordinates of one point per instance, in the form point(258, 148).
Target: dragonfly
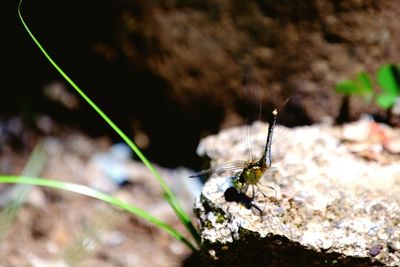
point(248, 173)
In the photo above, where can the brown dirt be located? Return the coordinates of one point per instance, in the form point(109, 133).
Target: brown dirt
point(297, 49)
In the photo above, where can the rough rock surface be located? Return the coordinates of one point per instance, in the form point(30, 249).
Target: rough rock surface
point(331, 206)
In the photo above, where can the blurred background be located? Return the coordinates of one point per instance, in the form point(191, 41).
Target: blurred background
point(171, 72)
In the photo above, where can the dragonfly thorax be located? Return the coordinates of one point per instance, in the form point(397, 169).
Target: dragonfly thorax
point(252, 173)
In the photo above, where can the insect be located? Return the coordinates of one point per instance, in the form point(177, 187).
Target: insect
point(248, 174)
point(253, 171)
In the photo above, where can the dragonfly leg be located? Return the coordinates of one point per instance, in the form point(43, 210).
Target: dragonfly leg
point(273, 189)
point(245, 188)
point(270, 187)
point(259, 210)
point(262, 193)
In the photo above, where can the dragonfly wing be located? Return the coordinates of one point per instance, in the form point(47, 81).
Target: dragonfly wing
point(231, 166)
point(220, 169)
point(270, 173)
point(202, 173)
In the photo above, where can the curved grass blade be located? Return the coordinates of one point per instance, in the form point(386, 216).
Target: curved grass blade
point(168, 195)
point(19, 192)
point(87, 191)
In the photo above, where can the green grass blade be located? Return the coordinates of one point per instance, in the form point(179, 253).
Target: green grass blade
point(87, 191)
point(168, 195)
point(89, 238)
point(19, 193)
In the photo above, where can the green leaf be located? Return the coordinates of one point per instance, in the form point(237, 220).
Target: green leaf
point(362, 85)
point(385, 101)
point(365, 81)
point(346, 87)
point(387, 81)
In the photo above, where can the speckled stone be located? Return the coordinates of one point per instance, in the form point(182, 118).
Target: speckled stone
point(330, 208)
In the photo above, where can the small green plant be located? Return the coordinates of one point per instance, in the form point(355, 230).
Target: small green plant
point(84, 190)
point(386, 78)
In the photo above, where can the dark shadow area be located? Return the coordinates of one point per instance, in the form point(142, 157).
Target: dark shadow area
point(194, 260)
point(136, 99)
point(277, 251)
point(233, 195)
point(164, 70)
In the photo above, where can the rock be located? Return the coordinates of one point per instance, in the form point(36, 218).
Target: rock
point(369, 139)
point(330, 207)
point(393, 145)
point(357, 132)
point(110, 168)
point(394, 116)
